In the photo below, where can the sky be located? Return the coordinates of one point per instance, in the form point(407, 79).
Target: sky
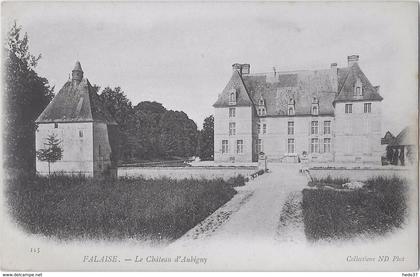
point(180, 54)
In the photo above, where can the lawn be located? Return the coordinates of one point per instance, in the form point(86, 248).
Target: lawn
point(332, 212)
point(71, 207)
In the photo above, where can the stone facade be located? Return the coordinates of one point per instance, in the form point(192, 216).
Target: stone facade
point(78, 119)
point(332, 115)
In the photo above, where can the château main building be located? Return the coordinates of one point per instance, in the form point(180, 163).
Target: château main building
point(333, 115)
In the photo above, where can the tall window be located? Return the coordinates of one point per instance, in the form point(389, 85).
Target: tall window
point(232, 112)
point(239, 146)
point(260, 146)
point(327, 127)
point(358, 91)
point(290, 128)
point(327, 145)
point(81, 133)
point(264, 128)
point(290, 145)
point(367, 107)
point(348, 108)
point(232, 128)
point(314, 145)
point(225, 147)
point(314, 127)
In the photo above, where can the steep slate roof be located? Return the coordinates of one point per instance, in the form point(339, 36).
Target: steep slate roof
point(347, 78)
point(406, 137)
point(276, 89)
point(76, 102)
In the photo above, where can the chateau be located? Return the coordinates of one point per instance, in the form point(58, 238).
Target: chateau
point(84, 127)
point(332, 115)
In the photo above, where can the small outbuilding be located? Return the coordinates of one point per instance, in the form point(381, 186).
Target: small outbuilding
point(402, 149)
point(86, 131)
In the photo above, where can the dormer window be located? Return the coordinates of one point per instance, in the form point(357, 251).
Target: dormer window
point(315, 106)
point(261, 107)
point(358, 88)
point(291, 107)
point(232, 97)
point(261, 111)
point(315, 110)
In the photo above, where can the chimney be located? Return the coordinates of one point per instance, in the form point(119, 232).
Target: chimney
point(334, 77)
point(352, 59)
point(237, 67)
point(245, 68)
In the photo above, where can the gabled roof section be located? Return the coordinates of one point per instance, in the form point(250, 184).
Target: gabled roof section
point(347, 78)
point(242, 97)
point(388, 138)
point(76, 102)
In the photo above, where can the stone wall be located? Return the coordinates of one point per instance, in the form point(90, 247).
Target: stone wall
point(76, 142)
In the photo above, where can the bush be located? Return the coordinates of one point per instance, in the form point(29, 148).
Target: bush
point(81, 207)
point(237, 181)
point(333, 213)
point(336, 182)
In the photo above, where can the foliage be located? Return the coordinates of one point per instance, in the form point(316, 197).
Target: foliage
point(81, 207)
point(52, 153)
point(238, 181)
point(25, 96)
point(335, 182)
point(178, 135)
point(148, 130)
point(377, 208)
point(206, 139)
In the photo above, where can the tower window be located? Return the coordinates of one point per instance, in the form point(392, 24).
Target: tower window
point(225, 147)
point(327, 145)
point(239, 146)
point(327, 127)
point(291, 146)
point(314, 127)
point(314, 145)
point(348, 108)
point(232, 128)
point(290, 128)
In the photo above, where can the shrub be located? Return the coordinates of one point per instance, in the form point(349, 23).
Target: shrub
point(237, 181)
point(333, 213)
point(336, 182)
point(82, 207)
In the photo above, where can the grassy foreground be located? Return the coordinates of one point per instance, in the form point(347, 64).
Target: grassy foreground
point(377, 208)
point(79, 207)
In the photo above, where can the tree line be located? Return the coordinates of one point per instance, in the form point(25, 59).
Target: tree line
point(146, 131)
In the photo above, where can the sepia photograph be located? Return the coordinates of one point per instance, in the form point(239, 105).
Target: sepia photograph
point(209, 136)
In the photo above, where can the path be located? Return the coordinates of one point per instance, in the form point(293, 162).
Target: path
point(254, 212)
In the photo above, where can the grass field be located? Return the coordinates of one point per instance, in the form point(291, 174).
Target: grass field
point(70, 207)
point(335, 212)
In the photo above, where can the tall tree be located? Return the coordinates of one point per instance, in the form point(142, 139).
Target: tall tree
point(121, 109)
point(206, 139)
point(26, 95)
